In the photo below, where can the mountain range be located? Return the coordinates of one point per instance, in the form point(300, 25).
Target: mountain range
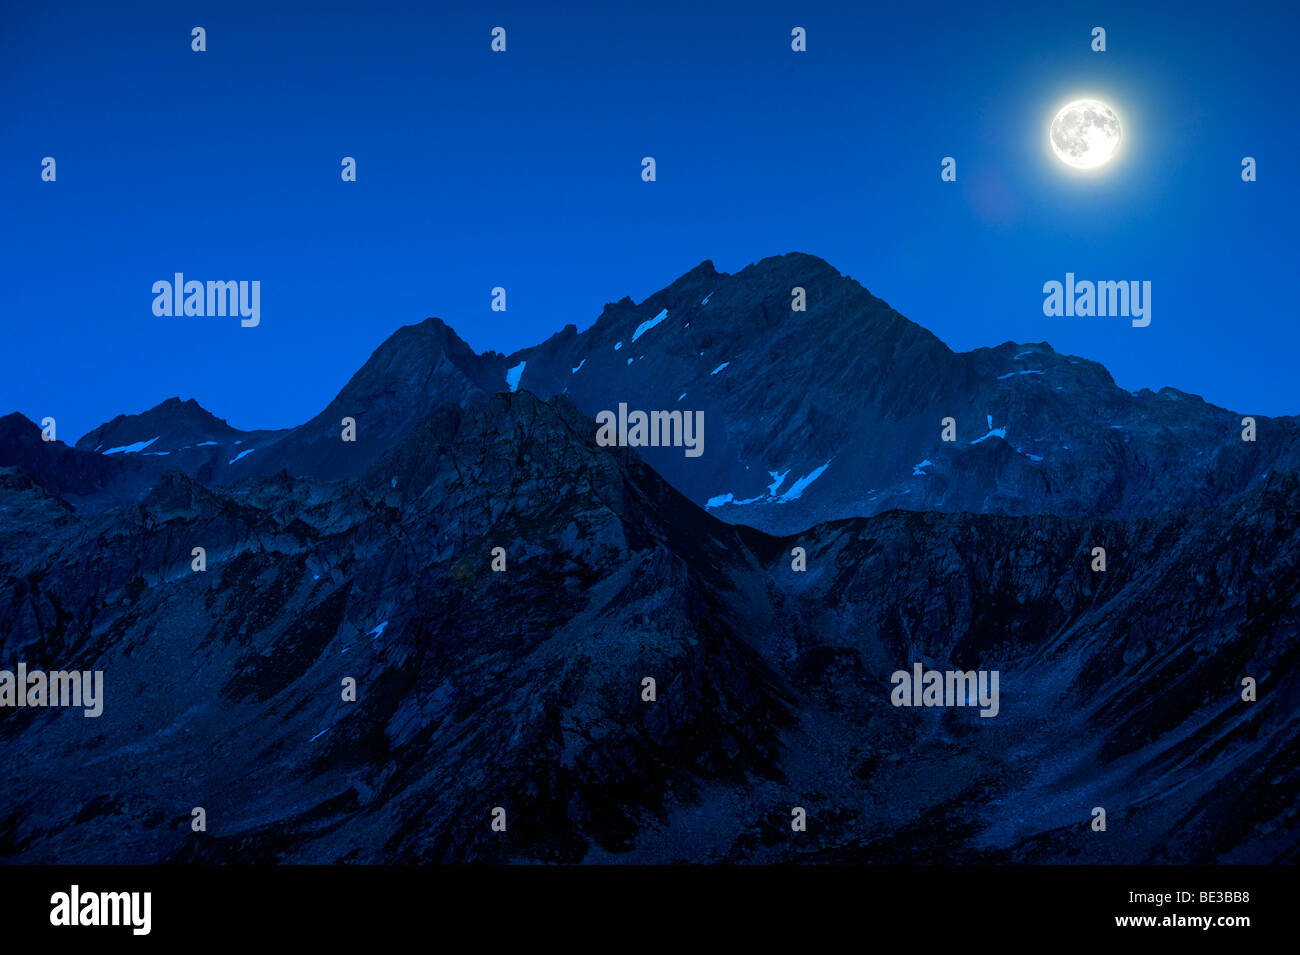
point(522, 688)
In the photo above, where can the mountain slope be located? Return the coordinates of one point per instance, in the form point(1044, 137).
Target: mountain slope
point(163, 428)
point(837, 411)
point(81, 478)
point(522, 689)
point(417, 368)
point(177, 434)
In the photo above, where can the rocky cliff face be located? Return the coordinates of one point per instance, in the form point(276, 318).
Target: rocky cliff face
point(837, 411)
point(82, 479)
point(522, 688)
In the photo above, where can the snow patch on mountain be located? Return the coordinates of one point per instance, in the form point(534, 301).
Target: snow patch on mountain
point(242, 454)
point(730, 498)
point(918, 470)
point(132, 448)
point(514, 374)
point(1028, 371)
point(579, 368)
point(799, 486)
point(719, 368)
point(778, 478)
point(993, 433)
point(649, 324)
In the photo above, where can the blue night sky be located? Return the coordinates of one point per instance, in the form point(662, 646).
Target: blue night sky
point(522, 169)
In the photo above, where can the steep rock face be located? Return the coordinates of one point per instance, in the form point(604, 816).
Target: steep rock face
point(165, 427)
point(80, 478)
point(213, 677)
point(1118, 689)
point(522, 688)
point(179, 435)
point(779, 390)
point(837, 411)
point(417, 368)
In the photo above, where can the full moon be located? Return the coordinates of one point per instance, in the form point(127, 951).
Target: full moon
point(1085, 134)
